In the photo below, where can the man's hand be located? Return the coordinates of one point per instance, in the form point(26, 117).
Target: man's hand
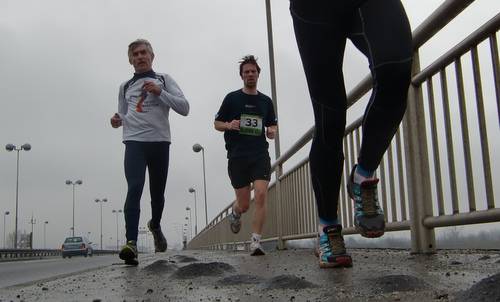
point(271, 132)
point(116, 121)
point(151, 87)
point(233, 125)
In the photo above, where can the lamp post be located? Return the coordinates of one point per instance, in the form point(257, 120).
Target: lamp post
point(11, 147)
point(32, 222)
point(190, 222)
point(44, 233)
point(185, 236)
point(190, 232)
point(117, 238)
point(192, 190)
point(198, 148)
point(100, 201)
point(4, 215)
point(69, 182)
point(272, 72)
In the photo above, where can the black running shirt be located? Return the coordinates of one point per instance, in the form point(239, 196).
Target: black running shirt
point(255, 112)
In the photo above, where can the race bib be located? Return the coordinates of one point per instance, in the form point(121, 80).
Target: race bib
point(250, 125)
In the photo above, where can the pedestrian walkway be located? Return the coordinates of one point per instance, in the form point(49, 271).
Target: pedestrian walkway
point(291, 275)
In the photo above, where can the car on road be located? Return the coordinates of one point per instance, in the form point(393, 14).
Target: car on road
point(76, 246)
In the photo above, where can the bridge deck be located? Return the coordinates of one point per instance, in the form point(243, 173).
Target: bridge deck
point(292, 275)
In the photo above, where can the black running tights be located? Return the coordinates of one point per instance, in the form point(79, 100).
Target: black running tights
point(138, 156)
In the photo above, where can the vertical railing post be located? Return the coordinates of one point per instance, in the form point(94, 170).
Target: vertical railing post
point(417, 164)
point(279, 209)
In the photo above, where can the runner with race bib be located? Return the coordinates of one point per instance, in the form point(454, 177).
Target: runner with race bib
point(247, 117)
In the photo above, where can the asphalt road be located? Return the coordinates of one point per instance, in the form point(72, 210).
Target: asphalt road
point(291, 275)
point(21, 272)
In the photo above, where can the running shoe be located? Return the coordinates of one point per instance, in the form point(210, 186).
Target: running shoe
point(159, 239)
point(128, 253)
point(234, 222)
point(331, 248)
point(256, 248)
point(368, 216)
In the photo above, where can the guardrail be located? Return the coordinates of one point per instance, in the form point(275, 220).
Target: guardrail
point(419, 191)
point(25, 254)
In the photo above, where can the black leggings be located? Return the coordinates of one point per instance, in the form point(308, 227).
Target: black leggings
point(138, 156)
point(381, 31)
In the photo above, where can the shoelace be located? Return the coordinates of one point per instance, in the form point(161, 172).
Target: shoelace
point(336, 243)
point(369, 200)
point(325, 248)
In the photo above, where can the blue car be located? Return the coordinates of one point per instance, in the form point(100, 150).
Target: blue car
point(76, 246)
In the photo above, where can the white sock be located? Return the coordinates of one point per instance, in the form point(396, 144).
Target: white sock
point(256, 237)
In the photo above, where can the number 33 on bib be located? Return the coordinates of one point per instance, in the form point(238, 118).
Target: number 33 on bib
point(250, 125)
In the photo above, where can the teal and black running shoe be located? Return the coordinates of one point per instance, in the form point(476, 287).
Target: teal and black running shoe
point(331, 248)
point(368, 216)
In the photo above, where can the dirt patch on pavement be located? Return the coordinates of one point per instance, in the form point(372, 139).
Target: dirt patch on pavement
point(194, 270)
point(185, 259)
point(397, 283)
point(287, 282)
point(487, 289)
point(160, 267)
point(239, 279)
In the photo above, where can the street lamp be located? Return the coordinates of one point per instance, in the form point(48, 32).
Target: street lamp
point(117, 238)
point(11, 147)
point(69, 182)
point(4, 215)
point(192, 190)
point(190, 227)
point(100, 201)
point(198, 148)
point(190, 222)
point(32, 222)
point(44, 232)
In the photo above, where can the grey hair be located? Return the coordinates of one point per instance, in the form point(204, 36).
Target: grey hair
point(138, 42)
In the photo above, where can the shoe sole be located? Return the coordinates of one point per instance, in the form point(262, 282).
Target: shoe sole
point(369, 234)
point(341, 261)
point(132, 262)
point(258, 252)
point(129, 257)
point(126, 255)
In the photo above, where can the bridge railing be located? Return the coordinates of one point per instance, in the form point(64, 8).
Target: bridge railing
point(437, 171)
point(26, 254)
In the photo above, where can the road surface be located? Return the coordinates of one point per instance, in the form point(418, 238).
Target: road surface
point(291, 275)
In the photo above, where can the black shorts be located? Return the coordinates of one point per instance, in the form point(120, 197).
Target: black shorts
point(244, 170)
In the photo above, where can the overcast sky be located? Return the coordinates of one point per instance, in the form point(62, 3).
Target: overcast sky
point(62, 62)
